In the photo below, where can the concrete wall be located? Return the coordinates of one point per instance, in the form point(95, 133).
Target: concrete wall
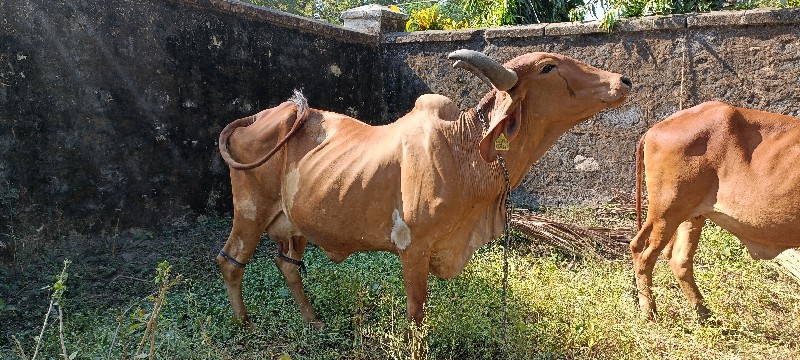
point(110, 111)
point(747, 58)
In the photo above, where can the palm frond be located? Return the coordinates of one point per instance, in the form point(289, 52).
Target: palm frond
point(600, 242)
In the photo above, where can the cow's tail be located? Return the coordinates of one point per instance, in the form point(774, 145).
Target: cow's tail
point(639, 178)
point(300, 103)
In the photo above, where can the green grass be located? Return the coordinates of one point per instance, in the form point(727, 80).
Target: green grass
point(559, 307)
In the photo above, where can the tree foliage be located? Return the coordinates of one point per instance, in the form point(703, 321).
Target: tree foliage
point(489, 13)
point(325, 10)
point(431, 18)
point(515, 12)
point(616, 9)
point(439, 14)
point(456, 14)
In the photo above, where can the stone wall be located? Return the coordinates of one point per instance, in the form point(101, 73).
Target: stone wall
point(110, 110)
point(747, 58)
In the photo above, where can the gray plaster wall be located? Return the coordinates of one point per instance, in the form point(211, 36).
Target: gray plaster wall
point(110, 110)
point(746, 58)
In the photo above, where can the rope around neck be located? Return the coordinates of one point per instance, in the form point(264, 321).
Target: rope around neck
point(509, 208)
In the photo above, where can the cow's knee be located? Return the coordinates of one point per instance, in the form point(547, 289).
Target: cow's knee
point(646, 246)
point(232, 259)
point(232, 276)
point(289, 262)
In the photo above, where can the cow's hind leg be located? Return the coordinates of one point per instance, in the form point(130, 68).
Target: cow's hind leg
point(681, 261)
point(646, 246)
point(242, 241)
point(294, 249)
point(291, 246)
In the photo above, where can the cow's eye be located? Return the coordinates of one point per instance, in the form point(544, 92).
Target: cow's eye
point(547, 68)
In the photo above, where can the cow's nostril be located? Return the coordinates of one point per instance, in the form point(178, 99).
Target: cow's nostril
point(627, 82)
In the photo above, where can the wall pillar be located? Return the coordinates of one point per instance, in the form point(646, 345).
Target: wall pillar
point(374, 19)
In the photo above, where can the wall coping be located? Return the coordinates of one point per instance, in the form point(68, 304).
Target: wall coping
point(262, 14)
point(756, 17)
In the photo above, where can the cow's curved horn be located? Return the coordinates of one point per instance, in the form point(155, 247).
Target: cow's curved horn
point(490, 71)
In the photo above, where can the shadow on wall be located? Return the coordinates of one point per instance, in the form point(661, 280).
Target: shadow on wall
point(114, 122)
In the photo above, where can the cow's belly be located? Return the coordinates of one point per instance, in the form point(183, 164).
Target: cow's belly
point(344, 221)
point(342, 195)
point(763, 231)
point(762, 209)
point(448, 264)
point(343, 229)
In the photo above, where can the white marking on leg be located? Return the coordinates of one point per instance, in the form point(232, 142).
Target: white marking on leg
point(292, 183)
point(401, 234)
point(247, 208)
point(241, 243)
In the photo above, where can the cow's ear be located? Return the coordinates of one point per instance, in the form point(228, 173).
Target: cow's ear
point(505, 120)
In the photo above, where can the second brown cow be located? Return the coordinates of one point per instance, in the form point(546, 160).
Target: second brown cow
point(734, 166)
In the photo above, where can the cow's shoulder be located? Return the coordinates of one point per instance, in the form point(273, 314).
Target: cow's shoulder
point(437, 106)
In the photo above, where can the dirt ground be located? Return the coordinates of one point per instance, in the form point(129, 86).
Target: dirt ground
point(107, 270)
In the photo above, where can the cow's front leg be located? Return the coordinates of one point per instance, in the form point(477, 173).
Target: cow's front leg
point(415, 264)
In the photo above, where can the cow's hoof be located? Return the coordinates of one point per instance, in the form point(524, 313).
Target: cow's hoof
point(709, 320)
point(248, 324)
point(318, 325)
point(706, 317)
point(649, 316)
point(244, 322)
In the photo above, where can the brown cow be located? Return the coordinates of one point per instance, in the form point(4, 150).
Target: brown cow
point(734, 166)
point(426, 187)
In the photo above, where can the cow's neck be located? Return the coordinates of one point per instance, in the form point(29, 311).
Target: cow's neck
point(481, 180)
point(536, 136)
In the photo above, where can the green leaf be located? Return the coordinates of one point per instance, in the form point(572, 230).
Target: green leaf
point(73, 355)
point(133, 327)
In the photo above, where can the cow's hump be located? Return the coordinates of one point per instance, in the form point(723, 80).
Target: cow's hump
point(438, 106)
